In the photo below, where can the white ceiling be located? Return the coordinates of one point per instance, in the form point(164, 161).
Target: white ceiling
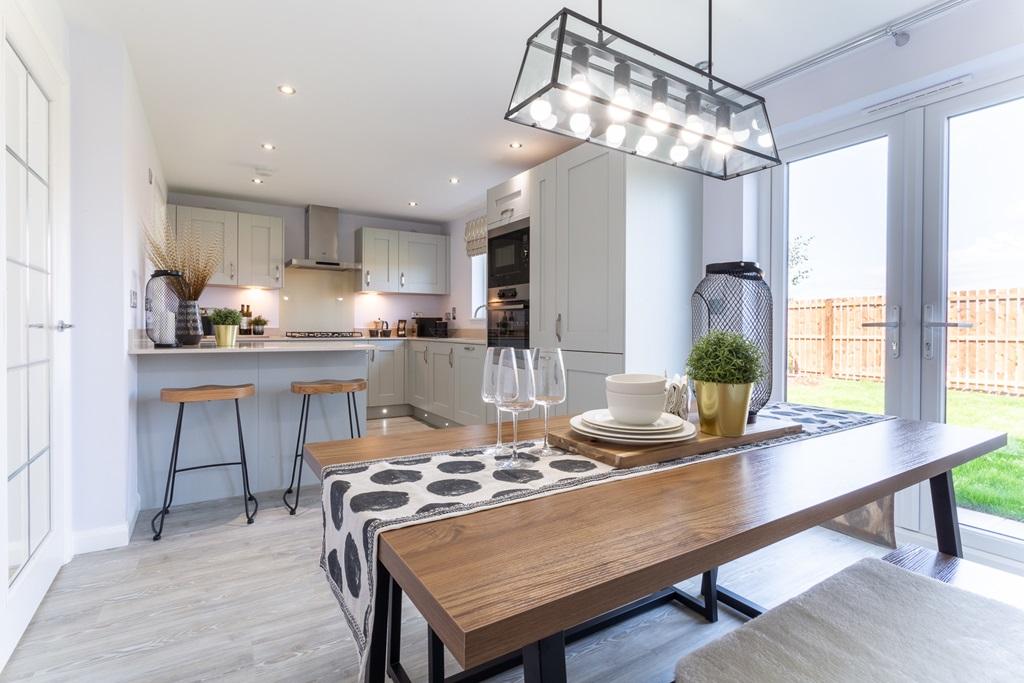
point(396, 96)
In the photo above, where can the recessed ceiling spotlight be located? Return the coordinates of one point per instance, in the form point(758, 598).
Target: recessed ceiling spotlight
point(257, 181)
point(414, 203)
point(453, 180)
point(515, 145)
point(269, 146)
point(286, 89)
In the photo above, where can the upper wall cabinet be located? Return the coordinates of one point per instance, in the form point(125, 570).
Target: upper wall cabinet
point(253, 246)
point(377, 250)
point(260, 250)
point(509, 201)
point(400, 261)
point(213, 224)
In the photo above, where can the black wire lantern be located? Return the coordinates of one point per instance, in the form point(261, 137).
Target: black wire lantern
point(162, 308)
point(733, 297)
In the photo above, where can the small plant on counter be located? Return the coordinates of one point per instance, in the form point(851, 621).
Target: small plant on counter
point(258, 324)
point(225, 323)
point(724, 367)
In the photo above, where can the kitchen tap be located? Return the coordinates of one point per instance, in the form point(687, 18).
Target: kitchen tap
point(477, 309)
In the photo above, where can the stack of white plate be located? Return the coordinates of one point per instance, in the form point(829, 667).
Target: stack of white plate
point(599, 424)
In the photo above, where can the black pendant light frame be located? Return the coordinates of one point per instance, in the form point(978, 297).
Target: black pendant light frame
point(708, 87)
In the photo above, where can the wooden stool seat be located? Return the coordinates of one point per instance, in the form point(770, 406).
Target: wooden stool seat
point(329, 386)
point(208, 392)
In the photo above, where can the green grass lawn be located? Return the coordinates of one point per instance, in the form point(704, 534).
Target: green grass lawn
point(993, 483)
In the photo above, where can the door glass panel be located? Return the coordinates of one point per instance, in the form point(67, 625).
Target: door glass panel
point(38, 130)
point(837, 277)
point(38, 224)
point(17, 418)
point(17, 330)
point(985, 288)
point(14, 96)
point(17, 197)
point(38, 408)
point(39, 497)
point(17, 522)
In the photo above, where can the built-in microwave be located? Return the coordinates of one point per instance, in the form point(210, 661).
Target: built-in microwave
point(508, 255)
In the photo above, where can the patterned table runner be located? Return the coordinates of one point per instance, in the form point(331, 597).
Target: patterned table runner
point(363, 499)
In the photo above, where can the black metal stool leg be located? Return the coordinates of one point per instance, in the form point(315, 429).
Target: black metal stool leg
point(348, 403)
point(169, 486)
point(355, 409)
point(300, 444)
point(246, 491)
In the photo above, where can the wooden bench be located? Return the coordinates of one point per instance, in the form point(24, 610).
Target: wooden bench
point(874, 622)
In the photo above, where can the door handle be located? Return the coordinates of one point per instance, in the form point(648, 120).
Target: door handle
point(558, 327)
point(933, 326)
point(401, 280)
point(451, 358)
point(892, 323)
point(62, 326)
point(367, 278)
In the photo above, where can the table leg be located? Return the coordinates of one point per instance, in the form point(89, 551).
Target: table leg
point(544, 661)
point(378, 655)
point(435, 657)
point(947, 527)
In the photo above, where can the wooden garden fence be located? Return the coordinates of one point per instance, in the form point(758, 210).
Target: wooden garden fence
point(826, 339)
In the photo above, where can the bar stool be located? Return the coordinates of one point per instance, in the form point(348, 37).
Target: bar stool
point(307, 389)
point(207, 392)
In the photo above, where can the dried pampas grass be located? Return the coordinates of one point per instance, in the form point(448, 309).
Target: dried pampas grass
point(195, 255)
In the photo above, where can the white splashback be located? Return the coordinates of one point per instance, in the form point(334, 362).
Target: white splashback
point(313, 300)
point(263, 302)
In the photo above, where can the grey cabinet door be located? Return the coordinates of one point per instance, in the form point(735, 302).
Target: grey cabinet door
point(584, 380)
point(423, 263)
point(469, 370)
point(218, 225)
point(377, 251)
point(442, 380)
point(544, 257)
point(387, 375)
point(591, 249)
point(418, 376)
point(260, 251)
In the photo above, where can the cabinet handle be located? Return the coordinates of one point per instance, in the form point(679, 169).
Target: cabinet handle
point(278, 269)
point(367, 278)
point(558, 328)
point(402, 280)
point(373, 355)
point(426, 355)
point(232, 270)
point(451, 358)
point(468, 348)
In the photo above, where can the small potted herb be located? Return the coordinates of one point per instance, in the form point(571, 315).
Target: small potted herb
point(725, 367)
point(258, 324)
point(225, 325)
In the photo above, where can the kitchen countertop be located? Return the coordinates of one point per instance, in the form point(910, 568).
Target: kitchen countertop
point(146, 348)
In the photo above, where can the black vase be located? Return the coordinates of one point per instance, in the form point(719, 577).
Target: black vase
point(189, 325)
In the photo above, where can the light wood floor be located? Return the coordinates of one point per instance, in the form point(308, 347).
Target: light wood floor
point(216, 599)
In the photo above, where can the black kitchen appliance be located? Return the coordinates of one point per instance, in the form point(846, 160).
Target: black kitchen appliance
point(508, 316)
point(508, 255)
point(431, 327)
point(508, 285)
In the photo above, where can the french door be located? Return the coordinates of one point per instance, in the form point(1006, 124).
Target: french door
point(33, 257)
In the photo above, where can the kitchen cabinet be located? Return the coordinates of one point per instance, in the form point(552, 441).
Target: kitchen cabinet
point(422, 263)
point(441, 379)
point(509, 201)
point(219, 225)
point(469, 408)
point(418, 375)
point(377, 251)
point(584, 380)
point(386, 381)
point(260, 251)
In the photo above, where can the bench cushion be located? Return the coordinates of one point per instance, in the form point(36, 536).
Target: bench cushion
point(870, 622)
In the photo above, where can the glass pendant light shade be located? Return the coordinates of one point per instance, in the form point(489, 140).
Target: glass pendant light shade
point(585, 80)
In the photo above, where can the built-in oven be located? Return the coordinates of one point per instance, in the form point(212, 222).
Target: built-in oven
point(508, 316)
point(508, 255)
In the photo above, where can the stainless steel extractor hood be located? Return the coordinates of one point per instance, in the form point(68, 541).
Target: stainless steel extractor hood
point(322, 242)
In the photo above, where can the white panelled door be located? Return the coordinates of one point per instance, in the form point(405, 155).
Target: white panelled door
point(32, 538)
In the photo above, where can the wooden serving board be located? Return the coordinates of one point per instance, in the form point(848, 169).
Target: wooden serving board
point(633, 455)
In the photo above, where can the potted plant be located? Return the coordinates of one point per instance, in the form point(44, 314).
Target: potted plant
point(225, 325)
point(195, 257)
point(259, 323)
point(724, 367)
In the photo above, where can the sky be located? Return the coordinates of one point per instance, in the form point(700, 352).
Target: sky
point(838, 199)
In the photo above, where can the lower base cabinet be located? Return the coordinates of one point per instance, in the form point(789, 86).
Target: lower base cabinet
point(441, 370)
point(469, 370)
point(386, 381)
point(584, 380)
point(417, 375)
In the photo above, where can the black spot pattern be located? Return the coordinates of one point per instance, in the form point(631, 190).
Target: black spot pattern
point(507, 492)
point(572, 465)
point(517, 476)
point(461, 467)
point(353, 570)
point(465, 454)
point(453, 487)
point(338, 489)
point(392, 477)
point(334, 568)
point(433, 507)
point(378, 500)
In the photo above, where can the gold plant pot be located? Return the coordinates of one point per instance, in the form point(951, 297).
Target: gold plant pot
point(723, 408)
point(226, 335)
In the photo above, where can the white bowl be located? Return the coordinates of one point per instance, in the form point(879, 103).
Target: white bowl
point(635, 383)
point(635, 409)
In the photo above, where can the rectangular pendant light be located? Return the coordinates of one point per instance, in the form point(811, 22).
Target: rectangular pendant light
point(581, 79)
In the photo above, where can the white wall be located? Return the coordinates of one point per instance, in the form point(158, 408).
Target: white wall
point(985, 39)
point(461, 291)
point(112, 155)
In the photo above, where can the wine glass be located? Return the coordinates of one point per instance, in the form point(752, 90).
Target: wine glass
point(549, 381)
point(515, 393)
point(487, 392)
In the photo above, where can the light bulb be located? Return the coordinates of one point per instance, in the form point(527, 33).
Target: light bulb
point(540, 110)
point(689, 137)
point(580, 124)
point(578, 93)
point(695, 123)
point(765, 140)
point(646, 144)
point(549, 122)
point(659, 119)
point(621, 106)
point(615, 134)
point(678, 153)
point(723, 141)
point(741, 135)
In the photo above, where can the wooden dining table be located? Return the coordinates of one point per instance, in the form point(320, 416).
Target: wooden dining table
point(507, 584)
